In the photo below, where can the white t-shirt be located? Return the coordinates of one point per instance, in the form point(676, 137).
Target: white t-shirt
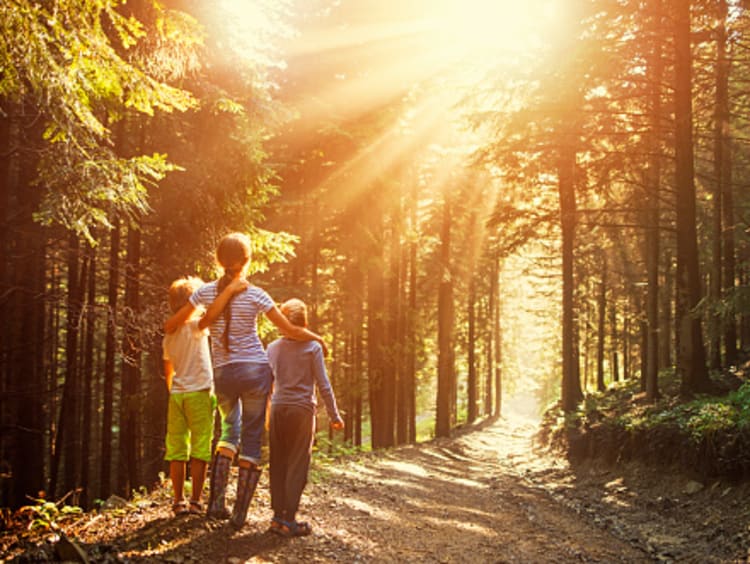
point(187, 348)
point(244, 342)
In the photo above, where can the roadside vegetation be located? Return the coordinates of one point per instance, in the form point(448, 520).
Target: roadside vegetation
point(707, 434)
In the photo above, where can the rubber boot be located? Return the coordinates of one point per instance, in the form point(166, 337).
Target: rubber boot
point(246, 484)
point(218, 484)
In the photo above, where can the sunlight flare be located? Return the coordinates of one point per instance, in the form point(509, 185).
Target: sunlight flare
point(489, 26)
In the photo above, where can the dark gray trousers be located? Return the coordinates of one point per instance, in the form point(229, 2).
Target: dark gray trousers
point(290, 440)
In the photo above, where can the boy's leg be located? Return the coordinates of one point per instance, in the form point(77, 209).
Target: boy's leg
point(300, 426)
point(198, 471)
point(277, 461)
point(200, 416)
point(176, 443)
point(177, 475)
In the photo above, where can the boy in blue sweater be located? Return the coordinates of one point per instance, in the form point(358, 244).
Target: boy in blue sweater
point(298, 367)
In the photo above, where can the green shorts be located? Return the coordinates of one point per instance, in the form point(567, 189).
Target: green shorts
point(190, 425)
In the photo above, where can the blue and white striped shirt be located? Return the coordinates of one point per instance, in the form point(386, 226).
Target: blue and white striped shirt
point(244, 343)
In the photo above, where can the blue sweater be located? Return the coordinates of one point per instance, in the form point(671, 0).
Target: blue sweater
point(297, 367)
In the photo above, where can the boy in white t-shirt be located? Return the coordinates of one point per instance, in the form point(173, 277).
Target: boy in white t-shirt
point(190, 414)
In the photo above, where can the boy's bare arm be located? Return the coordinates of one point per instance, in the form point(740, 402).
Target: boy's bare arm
point(213, 312)
point(168, 373)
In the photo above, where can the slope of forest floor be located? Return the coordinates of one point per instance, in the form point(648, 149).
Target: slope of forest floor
point(706, 436)
point(484, 496)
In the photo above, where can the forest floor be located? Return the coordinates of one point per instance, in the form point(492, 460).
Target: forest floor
point(485, 495)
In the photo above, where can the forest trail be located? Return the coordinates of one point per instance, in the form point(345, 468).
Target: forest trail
point(484, 496)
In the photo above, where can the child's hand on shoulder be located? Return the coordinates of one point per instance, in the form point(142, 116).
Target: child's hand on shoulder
point(238, 285)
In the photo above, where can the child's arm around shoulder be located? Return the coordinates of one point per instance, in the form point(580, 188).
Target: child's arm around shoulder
point(236, 286)
point(179, 318)
point(288, 329)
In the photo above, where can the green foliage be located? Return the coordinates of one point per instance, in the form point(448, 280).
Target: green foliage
point(698, 419)
point(45, 514)
point(84, 192)
point(71, 61)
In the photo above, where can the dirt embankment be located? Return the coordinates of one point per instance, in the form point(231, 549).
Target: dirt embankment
point(484, 496)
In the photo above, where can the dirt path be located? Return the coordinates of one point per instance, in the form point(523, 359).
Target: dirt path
point(481, 497)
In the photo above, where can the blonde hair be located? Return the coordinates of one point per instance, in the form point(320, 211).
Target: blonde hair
point(295, 311)
point(181, 290)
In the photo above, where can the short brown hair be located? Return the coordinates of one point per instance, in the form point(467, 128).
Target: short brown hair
point(181, 289)
point(295, 311)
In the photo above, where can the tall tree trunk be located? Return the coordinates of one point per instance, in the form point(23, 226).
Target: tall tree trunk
point(614, 340)
point(653, 184)
point(411, 361)
point(68, 428)
point(491, 352)
point(358, 383)
point(498, 332)
point(88, 373)
point(666, 325)
point(130, 408)
point(571, 385)
point(31, 402)
point(721, 127)
point(691, 356)
point(723, 173)
point(391, 360)
point(22, 288)
point(314, 260)
point(404, 335)
point(601, 331)
point(471, 352)
point(105, 470)
point(445, 329)
point(376, 330)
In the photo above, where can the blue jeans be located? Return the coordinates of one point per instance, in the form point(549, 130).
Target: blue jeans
point(242, 390)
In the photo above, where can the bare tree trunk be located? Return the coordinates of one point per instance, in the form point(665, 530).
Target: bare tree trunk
point(68, 430)
point(412, 324)
point(721, 130)
point(391, 360)
point(491, 352)
point(130, 409)
point(88, 374)
point(498, 342)
point(404, 335)
point(571, 385)
point(691, 357)
point(723, 171)
point(105, 471)
point(445, 330)
point(666, 324)
point(601, 337)
point(471, 352)
point(653, 183)
point(376, 331)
